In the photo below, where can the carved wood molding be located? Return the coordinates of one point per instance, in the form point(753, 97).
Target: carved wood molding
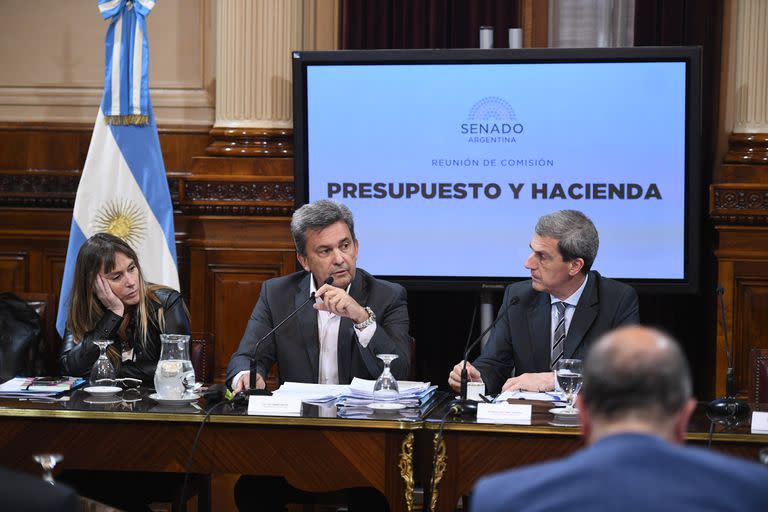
point(739, 203)
point(747, 148)
point(251, 142)
point(230, 195)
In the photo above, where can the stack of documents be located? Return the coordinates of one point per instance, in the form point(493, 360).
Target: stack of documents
point(311, 393)
point(412, 394)
point(19, 387)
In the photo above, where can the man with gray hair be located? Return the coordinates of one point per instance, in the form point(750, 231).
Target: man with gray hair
point(354, 318)
point(634, 407)
point(556, 314)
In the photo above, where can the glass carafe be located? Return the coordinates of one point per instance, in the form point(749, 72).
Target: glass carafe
point(174, 374)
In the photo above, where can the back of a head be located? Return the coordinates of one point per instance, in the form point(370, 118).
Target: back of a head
point(576, 234)
point(316, 216)
point(635, 372)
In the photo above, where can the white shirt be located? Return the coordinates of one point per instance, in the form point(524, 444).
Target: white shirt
point(570, 308)
point(328, 336)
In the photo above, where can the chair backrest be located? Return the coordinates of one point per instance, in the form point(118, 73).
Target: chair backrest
point(45, 305)
point(201, 353)
point(22, 348)
point(758, 371)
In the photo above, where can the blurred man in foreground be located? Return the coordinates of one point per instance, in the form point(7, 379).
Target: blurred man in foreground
point(634, 407)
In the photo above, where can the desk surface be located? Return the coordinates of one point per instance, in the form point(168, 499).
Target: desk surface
point(317, 451)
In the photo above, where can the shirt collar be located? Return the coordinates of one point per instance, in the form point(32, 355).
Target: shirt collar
point(573, 300)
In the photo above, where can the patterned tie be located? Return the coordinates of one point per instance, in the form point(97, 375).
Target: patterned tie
point(559, 337)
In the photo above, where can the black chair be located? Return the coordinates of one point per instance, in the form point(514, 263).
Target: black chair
point(22, 346)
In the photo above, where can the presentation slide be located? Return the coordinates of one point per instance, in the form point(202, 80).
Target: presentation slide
point(447, 167)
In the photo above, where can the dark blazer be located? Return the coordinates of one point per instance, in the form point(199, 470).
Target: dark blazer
point(77, 358)
point(295, 346)
point(20, 492)
point(629, 472)
point(521, 339)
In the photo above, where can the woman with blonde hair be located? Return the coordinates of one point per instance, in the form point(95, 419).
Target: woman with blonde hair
point(111, 300)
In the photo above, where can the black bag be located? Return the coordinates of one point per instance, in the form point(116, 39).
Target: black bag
point(21, 341)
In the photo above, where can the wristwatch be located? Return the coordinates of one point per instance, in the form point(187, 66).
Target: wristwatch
point(365, 323)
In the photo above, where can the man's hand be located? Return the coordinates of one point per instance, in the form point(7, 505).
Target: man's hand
point(107, 297)
point(544, 381)
point(338, 302)
point(245, 382)
point(454, 379)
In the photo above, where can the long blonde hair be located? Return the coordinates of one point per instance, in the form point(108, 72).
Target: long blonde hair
point(85, 308)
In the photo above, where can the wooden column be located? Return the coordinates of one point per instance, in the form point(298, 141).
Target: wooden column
point(739, 194)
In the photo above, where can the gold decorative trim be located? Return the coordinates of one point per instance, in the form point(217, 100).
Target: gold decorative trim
point(440, 465)
point(406, 469)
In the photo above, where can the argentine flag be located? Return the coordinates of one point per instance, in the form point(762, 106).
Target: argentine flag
point(123, 189)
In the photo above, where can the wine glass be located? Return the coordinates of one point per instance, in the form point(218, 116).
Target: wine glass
point(568, 373)
point(386, 389)
point(48, 461)
point(103, 373)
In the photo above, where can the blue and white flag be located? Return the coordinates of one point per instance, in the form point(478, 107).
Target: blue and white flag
point(124, 191)
point(126, 77)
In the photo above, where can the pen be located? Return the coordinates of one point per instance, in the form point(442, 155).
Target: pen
point(486, 399)
point(553, 395)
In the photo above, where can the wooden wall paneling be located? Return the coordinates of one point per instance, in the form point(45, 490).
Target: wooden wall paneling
point(13, 271)
point(750, 327)
point(743, 273)
point(226, 285)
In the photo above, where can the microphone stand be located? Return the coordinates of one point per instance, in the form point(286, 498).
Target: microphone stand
point(462, 405)
point(243, 395)
point(729, 410)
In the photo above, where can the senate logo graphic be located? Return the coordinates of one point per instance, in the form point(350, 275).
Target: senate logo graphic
point(492, 120)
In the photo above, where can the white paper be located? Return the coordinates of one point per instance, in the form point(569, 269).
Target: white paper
point(312, 393)
point(528, 395)
point(759, 422)
point(514, 414)
point(273, 406)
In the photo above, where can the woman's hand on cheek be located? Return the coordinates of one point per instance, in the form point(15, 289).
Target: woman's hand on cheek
point(107, 297)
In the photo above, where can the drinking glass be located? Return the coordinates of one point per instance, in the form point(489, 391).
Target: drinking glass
point(386, 389)
point(103, 373)
point(48, 461)
point(568, 373)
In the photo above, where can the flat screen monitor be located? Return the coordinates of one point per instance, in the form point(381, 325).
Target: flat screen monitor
point(447, 158)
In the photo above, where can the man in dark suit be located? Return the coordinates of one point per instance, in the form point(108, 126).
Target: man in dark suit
point(354, 318)
point(634, 407)
point(556, 314)
point(20, 492)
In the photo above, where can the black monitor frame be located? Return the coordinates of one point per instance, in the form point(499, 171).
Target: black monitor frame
point(691, 56)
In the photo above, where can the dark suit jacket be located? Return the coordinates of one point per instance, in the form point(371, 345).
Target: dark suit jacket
point(20, 492)
point(295, 347)
point(521, 339)
point(629, 472)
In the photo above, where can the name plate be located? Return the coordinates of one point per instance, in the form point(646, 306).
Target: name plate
point(513, 414)
point(759, 422)
point(274, 405)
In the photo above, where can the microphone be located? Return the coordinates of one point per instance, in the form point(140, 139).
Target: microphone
point(727, 410)
point(243, 395)
point(462, 405)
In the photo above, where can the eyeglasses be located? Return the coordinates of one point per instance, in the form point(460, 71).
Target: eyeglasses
point(125, 382)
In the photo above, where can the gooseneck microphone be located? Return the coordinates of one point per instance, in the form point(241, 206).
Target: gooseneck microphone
point(469, 407)
point(244, 394)
point(727, 410)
